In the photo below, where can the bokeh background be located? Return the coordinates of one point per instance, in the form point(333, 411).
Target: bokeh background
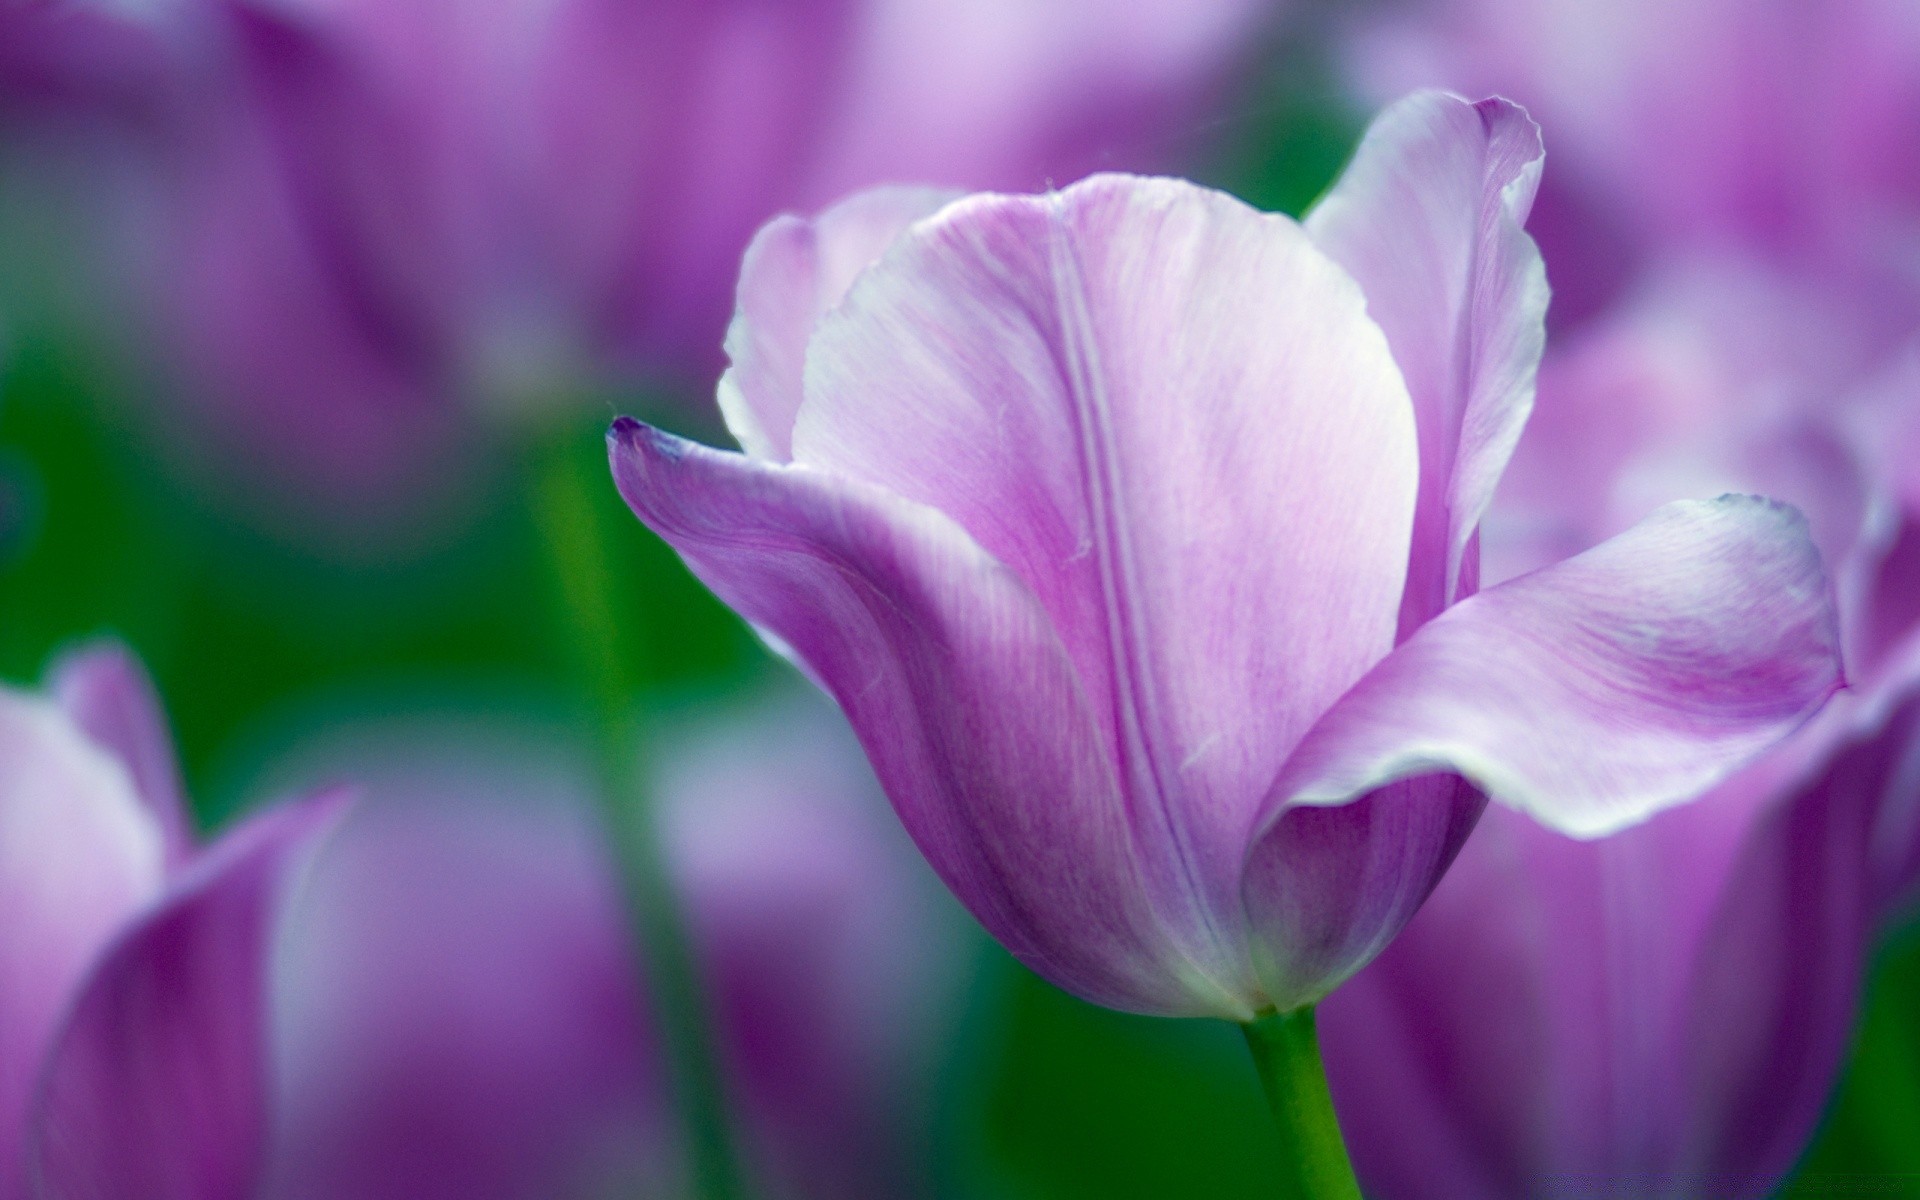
point(305, 619)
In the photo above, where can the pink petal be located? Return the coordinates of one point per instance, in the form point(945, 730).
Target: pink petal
point(1170, 417)
point(960, 691)
point(157, 1086)
point(108, 695)
point(795, 270)
point(79, 855)
point(1428, 217)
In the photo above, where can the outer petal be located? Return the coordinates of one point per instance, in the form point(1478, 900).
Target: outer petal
point(109, 696)
point(79, 854)
point(1329, 887)
point(1169, 415)
point(157, 1086)
point(795, 270)
point(1598, 691)
point(1590, 694)
point(961, 694)
point(1428, 217)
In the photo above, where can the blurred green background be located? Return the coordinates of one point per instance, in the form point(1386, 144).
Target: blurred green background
point(254, 633)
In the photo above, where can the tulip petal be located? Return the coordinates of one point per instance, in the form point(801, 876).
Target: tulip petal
point(79, 855)
point(958, 688)
point(108, 695)
point(157, 1086)
point(1330, 886)
point(1428, 217)
point(794, 271)
point(1169, 415)
point(1598, 691)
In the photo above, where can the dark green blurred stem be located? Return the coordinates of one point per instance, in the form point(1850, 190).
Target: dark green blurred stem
point(1286, 1053)
point(572, 498)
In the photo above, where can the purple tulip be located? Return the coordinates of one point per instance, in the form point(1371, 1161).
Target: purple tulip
point(462, 1011)
point(397, 219)
point(1665, 1012)
point(134, 967)
point(1135, 532)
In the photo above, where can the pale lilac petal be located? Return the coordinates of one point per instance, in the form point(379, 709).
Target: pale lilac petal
point(108, 695)
point(960, 691)
point(794, 271)
point(1169, 415)
point(157, 1086)
point(462, 1016)
point(1428, 217)
point(79, 855)
point(1330, 886)
point(1598, 691)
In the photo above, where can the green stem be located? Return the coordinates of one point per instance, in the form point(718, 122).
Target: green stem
point(572, 497)
point(1286, 1053)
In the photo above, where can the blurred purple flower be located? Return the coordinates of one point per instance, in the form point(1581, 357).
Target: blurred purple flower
point(448, 1006)
point(1135, 532)
point(396, 217)
point(833, 956)
point(71, 54)
point(133, 966)
point(1665, 1012)
point(1778, 126)
point(461, 1014)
